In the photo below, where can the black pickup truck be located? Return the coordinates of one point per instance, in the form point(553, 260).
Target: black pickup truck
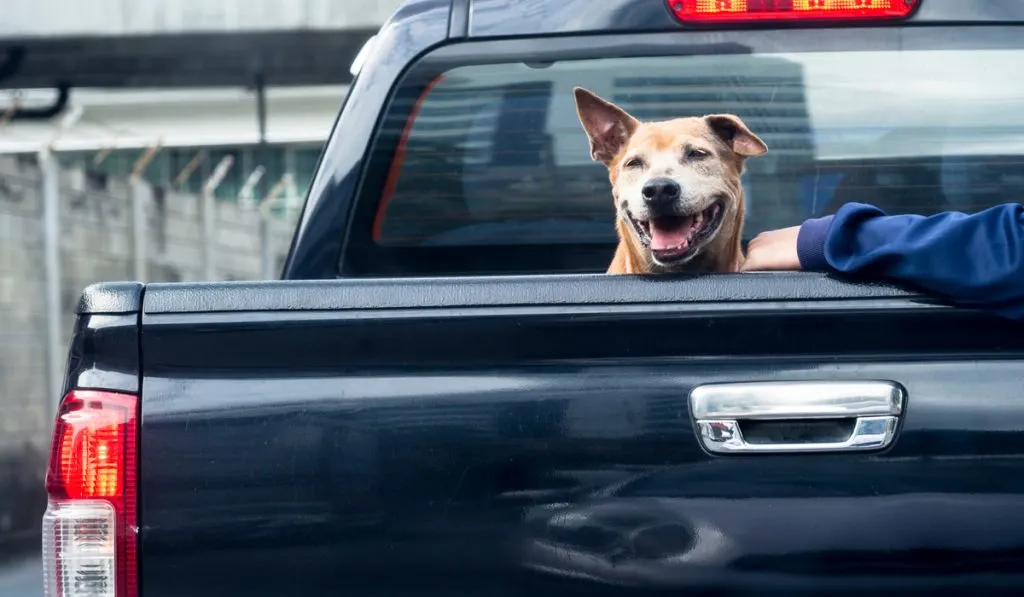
point(445, 395)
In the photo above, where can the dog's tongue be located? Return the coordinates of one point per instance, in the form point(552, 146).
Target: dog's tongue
point(670, 233)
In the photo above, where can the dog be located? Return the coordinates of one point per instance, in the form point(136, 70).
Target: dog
point(676, 185)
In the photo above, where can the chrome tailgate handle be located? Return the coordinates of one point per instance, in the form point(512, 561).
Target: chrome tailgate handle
point(797, 416)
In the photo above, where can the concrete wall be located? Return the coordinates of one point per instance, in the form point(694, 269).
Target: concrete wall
point(136, 118)
point(155, 17)
point(95, 245)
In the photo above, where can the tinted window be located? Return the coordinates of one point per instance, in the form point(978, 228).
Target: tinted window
point(492, 174)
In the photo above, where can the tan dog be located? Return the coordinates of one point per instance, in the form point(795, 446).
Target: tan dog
point(676, 184)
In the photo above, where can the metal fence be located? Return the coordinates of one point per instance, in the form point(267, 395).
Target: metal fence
point(62, 229)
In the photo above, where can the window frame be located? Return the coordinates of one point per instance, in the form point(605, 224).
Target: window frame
point(358, 247)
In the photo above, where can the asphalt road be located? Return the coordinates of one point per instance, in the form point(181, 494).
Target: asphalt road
point(22, 577)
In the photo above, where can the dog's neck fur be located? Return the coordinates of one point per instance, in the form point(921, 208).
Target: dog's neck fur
point(724, 254)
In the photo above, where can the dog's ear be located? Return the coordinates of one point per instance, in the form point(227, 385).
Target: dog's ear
point(736, 135)
point(608, 126)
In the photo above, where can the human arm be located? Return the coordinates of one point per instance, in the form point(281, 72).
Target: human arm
point(972, 260)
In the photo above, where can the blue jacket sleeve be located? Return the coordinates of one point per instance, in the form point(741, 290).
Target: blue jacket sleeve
point(972, 260)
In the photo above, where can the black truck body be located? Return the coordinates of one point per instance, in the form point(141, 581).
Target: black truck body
point(505, 423)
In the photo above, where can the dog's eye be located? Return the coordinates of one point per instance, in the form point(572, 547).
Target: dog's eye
point(692, 153)
point(635, 162)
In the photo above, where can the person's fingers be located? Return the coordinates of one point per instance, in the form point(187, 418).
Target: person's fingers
point(753, 261)
point(773, 250)
point(755, 253)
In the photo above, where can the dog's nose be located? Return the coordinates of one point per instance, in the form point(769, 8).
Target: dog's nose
point(660, 192)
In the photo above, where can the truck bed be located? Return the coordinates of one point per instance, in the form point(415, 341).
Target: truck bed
point(534, 434)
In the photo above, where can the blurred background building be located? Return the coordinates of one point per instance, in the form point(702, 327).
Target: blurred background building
point(185, 74)
point(114, 118)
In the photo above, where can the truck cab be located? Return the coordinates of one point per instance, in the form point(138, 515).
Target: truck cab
point(445, 394)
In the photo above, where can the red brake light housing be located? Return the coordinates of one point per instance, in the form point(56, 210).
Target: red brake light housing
point(90, 533)
point(726, 11)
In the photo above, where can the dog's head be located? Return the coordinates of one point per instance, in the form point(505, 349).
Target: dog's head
point(676, 183)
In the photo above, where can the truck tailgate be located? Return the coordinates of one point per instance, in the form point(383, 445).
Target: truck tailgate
point(506, 436)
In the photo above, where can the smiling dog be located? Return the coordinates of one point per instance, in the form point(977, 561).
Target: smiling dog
point(676, 183)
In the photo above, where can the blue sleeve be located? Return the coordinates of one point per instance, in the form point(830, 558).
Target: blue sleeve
point(972, 260)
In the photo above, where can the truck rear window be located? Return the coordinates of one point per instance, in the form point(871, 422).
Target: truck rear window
point(490, 160)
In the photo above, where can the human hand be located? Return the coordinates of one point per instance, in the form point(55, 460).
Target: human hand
point(773, 250)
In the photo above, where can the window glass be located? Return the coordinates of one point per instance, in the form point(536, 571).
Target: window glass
point(494, 155)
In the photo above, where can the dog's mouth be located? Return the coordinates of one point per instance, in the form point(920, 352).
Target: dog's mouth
point(676, 238)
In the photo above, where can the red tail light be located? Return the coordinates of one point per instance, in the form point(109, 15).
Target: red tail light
point(716, 11)
point(89, 529)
